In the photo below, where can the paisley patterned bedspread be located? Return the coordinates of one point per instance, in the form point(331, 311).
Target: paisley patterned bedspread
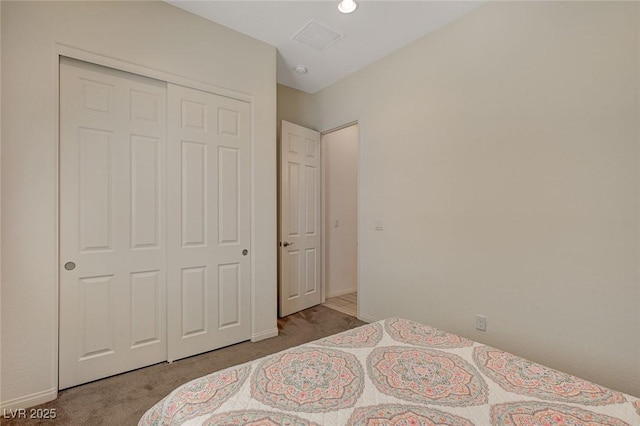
point(393, 372)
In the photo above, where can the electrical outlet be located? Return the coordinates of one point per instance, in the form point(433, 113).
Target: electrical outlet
point(481, 322)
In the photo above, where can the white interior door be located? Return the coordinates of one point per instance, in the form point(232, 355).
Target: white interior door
point(112, 224)
point(299, 269)
point(209, 221)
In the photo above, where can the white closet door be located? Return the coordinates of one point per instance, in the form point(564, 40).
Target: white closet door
point(208, 221)
point(112, 222)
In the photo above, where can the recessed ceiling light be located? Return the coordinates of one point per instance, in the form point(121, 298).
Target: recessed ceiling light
point(301, 69)
point(347, 6)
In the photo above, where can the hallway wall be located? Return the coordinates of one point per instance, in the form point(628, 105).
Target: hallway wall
point(340, 195)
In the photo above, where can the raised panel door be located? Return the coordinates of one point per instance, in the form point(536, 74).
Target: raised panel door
point(209, 169)
point(112, 223)
point(299, 260)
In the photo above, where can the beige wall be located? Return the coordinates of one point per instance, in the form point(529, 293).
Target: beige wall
point(154, 35)
point(296, 107)
point(340, 203)
point(501, 152)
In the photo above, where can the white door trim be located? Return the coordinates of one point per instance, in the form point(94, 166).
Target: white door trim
point(63, 50)
point(343, 126)
point(106, 61)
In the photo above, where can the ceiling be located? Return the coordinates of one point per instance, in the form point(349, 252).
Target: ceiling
point(374, 30)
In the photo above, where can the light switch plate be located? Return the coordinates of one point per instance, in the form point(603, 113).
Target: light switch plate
point(481, 322)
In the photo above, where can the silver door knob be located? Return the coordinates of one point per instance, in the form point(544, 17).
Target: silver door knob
point(245, 252)
point(286, 244)
point(69, 266)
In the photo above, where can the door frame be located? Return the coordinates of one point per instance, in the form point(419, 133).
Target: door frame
point(63, 50)
point(323, 237)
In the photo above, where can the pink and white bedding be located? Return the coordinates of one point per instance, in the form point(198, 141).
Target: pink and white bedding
point(393, 372)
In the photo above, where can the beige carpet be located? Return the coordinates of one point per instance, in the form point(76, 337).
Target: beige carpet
point(123, 399)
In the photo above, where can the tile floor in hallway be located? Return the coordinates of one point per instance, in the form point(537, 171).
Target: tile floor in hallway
point(347, 304)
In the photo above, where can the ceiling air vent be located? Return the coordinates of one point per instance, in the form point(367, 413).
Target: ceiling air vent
point(316, 36)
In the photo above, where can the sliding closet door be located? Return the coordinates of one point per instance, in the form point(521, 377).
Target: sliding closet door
point(112, 222)
point(208, 178)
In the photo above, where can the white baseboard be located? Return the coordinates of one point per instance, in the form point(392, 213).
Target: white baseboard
point(341, 292)
point(30, 400)
point(256, 337)
point(367, 318)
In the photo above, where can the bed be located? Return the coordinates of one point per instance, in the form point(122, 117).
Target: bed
point(393, 372)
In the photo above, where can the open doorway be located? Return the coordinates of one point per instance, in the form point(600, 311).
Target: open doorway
point(340, 216)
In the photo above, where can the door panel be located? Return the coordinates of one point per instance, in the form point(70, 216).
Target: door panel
point(311, 267)
point(194, 297)
point(112, 304)
point(194, 194)
point(292, 197)
point(300, 250)
point(228, 191)
point(145, 193)
point(98, 320)
point(146, 310)
point(209, 225)
point(311, 198)
point(229, 301)
point(96, 207)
